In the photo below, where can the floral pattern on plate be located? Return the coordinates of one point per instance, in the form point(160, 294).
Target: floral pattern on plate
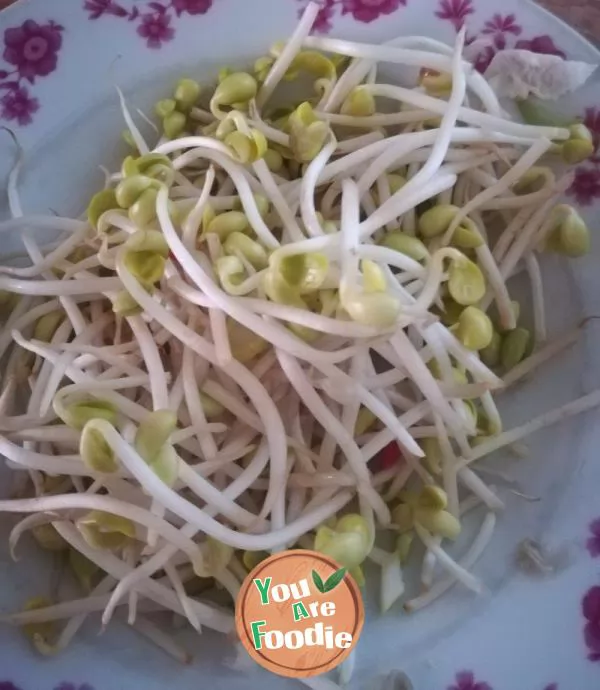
point(361, 10)
point(585, 189)
point(153, 19)
point(30, 52)
point(502, 31)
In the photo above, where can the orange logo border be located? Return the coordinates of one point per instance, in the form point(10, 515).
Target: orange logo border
point(243, 624)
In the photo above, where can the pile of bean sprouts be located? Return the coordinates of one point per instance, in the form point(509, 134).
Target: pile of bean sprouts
point(281, 327)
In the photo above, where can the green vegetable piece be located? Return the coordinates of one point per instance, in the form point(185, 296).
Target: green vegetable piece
point(273, 159)
point(143, 211)
point(466, 283)
point(571, 237)
point(46, 326)
point(432, 497)
point(226, 223)
point(123, 304)
point(251, 250)
point(247, 149)
point(129, 166)
point(78, 414)
point(364, 421)
point(451, 313)
point(40, 634)
point(101, 202)
point(262, 204)
point(373, 277)
point(436, 84)
point(535, 179)
point(145, 255)
point(403, 546)
point(127, 137)
point(396, 182)
point(305, 272)
point(103, 530)
point(165, 107)
point(174, 124)
point(165, 465)
point(307, 133)
point(405, 244)
point(186, 94)
point(312, 62)
point(216, 557)
point(579, 146)
point(231, 273)
point(95, 451)
point(212, 409)
point(433, 454)
point(348, 544)
point(467, 236)
point(48, 538)
point(438, 522)
point(514, 347)
point(474, 329)
point(402, 517)
point(359, 103)
point(490, 355)
point(85, 571)
point(251, 559)
point(436, 220)
point(234, 90)
point(245, 345)
point(130, 189)
point(153, 432)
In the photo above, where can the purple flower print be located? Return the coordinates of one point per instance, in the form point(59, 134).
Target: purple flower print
point(591, 612)
point(586, 185)
point(361, 10)
point(322, 24)
point(73, 686)
point(455, 11)
point(541, 44)
point(192, 6)
point(499, 26)
point(17, 105)
point(593, 543)
point(33, 48)
point(7, 685)
point(465, 680)
point(153, 18)
point(552, 686)
point(97, 8)
point(369, 10)
point(156, 29)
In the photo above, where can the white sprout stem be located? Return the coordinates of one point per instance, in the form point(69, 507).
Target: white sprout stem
point(108, 505)
point(542, 356)
point(308, 186)
point(208, 615)
point(470, 558)
point(156, 562)
point(289, 52)
point(575, 407)
point(139, 140)
point(448, 563)
point(537, 299)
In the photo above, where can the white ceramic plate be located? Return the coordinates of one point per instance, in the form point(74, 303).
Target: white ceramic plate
point(59, 64)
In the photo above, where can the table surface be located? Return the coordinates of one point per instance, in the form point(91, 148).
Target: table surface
point(582, 14)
